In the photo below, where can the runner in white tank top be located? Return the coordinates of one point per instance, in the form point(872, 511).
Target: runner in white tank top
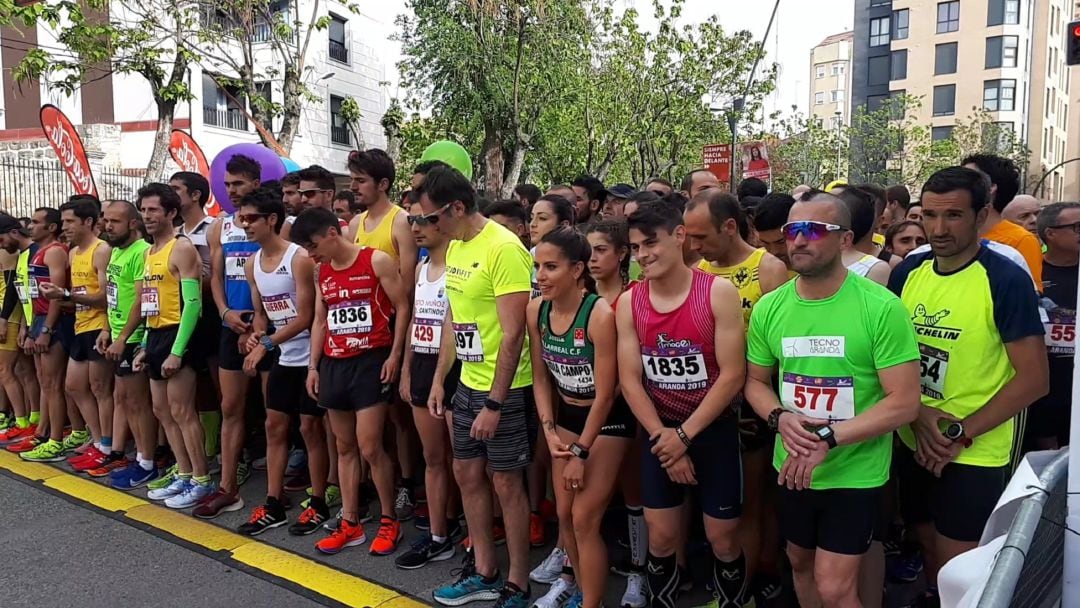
point(277, 290)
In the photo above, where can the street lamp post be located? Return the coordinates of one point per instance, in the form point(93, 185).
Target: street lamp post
point(839, 123)
point(733, 125)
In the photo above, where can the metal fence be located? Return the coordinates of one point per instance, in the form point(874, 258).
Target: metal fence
point(1029, 568)
point(26, 184)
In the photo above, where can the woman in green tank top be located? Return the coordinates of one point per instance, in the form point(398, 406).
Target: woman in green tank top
point(572, 343)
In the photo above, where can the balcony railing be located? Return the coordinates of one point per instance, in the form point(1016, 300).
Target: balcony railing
point(340, 135)
point(339, 52)
point(226, 119)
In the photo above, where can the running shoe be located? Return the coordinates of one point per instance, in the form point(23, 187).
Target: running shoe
point(217, 503)
point(263, 518)
point(636, 594)
point(536, 530)
point(550, 569)
point(76, 440)
point(92, 459)
point(309, 521)
point(298, 482)
point(109, 465)
point(163, 457)
point(48, 451)
point(192, 495)
point(498, 533)
point(512, 597)
point(134, 476)
point(88, 451)
point(557, 595)
point(6, 421)
point(165, 480)
point(243, 473)
point(15, 433)
point(575, 600)
point(421, 518)
point(904, 568)
point(424, 551)
point(405, 505)
point(333, 497)
point(23, 445)
point(469, 587)
point(175, 487)
point(297, 462)
point(259, 464)
point(386, 540)
point(347, 535)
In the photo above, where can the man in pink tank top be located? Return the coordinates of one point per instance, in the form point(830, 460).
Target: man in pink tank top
point(681, 368)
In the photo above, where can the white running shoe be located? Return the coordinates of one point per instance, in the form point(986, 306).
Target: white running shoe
point(177, 486)
point(635, 595)
point(550, 569)
point(561, 591)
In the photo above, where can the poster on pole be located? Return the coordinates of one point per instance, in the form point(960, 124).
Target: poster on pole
point(717, 159)
point(189, 156)
point(755, 160)
point(69, 149)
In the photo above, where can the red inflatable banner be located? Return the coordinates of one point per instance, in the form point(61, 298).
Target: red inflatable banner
point(69, 149)
point(189, 156)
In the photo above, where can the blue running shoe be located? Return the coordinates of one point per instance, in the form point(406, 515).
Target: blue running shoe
point(134, 476)
point(470, 587)
point(575, 600)
point(904, 568)
point(512, 597)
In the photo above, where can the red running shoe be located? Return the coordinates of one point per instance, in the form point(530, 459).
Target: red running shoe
point(25, 445)
point(536, 530)
point(347, 535)
point(386, 540)
point(15, 434)
point(89, 461)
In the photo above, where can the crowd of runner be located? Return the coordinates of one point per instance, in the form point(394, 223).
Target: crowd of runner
point(838, 381)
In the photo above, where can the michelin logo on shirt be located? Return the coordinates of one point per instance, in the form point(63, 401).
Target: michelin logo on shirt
point(813, 346)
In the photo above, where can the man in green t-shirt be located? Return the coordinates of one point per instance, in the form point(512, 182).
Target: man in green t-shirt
point(120, 342)
point(848, 368)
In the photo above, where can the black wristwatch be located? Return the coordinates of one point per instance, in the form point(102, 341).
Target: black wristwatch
point(580, 451)
point(492, 405)
point(825, 433)
point(774, 419)
point(955, 433)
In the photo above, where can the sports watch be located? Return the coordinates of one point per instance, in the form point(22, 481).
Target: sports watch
point(580, 451)
point(955, 433)
point(774, 419)
point(825, 433)
point(267, 343)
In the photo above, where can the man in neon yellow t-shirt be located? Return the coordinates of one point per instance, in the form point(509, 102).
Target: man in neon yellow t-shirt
point(487, 287)
point(982, 362)
point(848, 371)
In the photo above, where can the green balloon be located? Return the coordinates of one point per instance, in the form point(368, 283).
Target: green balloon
point(451, 153)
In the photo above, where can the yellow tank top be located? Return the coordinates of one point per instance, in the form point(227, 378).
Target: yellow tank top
point(84, 280)
point(744, 276)
point(8, 262)
point(382, 237)
point(160, 289)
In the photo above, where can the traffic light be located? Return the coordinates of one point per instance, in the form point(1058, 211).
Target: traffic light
point(1072, 50)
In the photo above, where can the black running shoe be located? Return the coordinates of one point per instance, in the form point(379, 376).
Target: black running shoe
point(424, 551)
point(309, 521)
point(262, 519)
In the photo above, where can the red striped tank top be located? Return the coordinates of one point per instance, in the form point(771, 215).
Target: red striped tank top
point(678, 349)
point(358, 311)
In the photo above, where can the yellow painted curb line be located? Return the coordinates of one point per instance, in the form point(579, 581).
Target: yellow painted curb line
point(303, 572)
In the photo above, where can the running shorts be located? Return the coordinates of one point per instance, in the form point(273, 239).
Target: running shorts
point(421, 375)
point(159, 343)
point(717, 460)
point(512, 446)
point(620, 420)
point(286, 391)
point(353, 384)
point(82, 347)
point(841, 520)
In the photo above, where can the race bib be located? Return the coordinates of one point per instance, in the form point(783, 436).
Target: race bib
point(280, 309)
point(1060, 328)
point(111, 295)
point(574, 375)
point(467, 342)
point(933, 367)
point(80, 291)
point(34, 292)
point(831, 399)
point(24, 294)
point(675, 368)
point(349, 318)
point(426, 336)
point(234, 265)
point(150, 304)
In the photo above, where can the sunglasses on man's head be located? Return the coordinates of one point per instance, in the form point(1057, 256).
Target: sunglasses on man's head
point(427, 219)
point(813, 231)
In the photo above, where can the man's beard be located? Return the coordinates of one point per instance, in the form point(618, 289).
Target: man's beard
point(116, 241)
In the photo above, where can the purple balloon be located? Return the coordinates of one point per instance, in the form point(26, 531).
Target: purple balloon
point(272, 168)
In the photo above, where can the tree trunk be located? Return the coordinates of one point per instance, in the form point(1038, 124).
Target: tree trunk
point(494, 161)
point(393, 144)
point(155, 169)
point(513, 174)
point(292, 106)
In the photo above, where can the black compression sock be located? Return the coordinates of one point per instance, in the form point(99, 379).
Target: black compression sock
point(729, 579)
point(663, 580)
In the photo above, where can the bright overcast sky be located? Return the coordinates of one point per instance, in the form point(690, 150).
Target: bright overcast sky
point(799, 25)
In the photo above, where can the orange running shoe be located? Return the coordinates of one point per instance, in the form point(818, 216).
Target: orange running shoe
point(536, 530)
point(386, 540)
point(25, 445)
point(548, 511)
point(90, 462)
point(15, 434)
point(498, 535)
point(347, 535)
point(107, 467)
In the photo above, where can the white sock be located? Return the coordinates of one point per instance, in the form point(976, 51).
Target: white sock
point(438, 539)
point(145, 464)
point(639, 535)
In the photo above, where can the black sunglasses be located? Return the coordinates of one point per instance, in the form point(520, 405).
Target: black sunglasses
point(428, 219)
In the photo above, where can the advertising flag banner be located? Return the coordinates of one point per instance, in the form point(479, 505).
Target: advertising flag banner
point(717, 159)
point(69, 149)
point(755, 160)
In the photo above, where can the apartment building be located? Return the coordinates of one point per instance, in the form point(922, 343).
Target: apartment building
point(1006, 56)
point(830, 79)
point(342, 65)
